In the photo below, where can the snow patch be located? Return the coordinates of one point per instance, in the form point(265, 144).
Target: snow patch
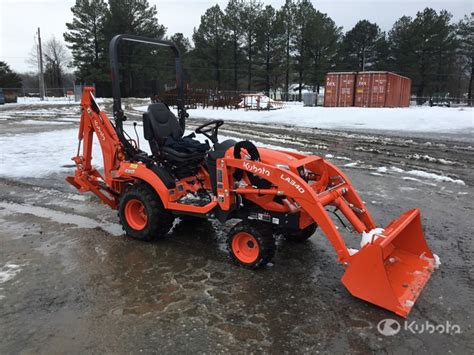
point(397, 170)
point(44, 152)
point(8, 272)
point(421, 174)
point(371, 236)
point(38, 122)
point(435, 261)
point(411, 119)
point(430, 159)
point(440, 178)
point(352, 251)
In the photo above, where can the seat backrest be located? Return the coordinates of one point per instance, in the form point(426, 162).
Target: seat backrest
point(160, 123)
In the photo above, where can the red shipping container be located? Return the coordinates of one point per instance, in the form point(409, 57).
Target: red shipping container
point(331, 90)
point(382, 89)
point(362, 89)
point(394, 85)
point(346, 89)
point(367, 89)
point(405, 92)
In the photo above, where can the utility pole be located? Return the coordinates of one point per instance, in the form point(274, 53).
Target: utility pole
point(41, 75)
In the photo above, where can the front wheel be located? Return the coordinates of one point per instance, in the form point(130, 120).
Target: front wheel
point(142, 214)
point(251, 244)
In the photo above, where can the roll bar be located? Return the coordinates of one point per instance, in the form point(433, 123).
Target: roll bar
point(119, 117)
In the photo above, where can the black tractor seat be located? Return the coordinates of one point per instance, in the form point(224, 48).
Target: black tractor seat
point(181, 155)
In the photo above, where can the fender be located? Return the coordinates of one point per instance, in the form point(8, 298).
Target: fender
point(141, 172)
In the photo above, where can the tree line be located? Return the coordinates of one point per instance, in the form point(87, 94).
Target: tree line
point(250, 46)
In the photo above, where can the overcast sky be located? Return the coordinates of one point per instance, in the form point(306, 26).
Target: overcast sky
point(19, 19)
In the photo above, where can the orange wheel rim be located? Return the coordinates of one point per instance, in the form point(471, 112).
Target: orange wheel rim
point(245, 247)
point(135, 214)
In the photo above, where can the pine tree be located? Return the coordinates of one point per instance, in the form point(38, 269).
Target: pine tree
point(85, 38)
point(8, 79)
point(323, 44)
point(304, 15)
point(182, 43)
point(381, 58)
point(424, 49)
point(211, 42)
point(466, 49)
point(233, 26)
point(249, 14)
point(359, 45)
point(286, 16)
point(140, 73)
point(269, 50)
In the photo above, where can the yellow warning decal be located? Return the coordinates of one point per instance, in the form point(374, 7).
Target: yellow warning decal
point(133, 166)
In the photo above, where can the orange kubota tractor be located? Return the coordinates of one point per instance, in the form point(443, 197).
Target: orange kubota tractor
point(270, 191)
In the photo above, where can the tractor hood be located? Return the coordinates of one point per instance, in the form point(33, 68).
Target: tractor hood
point(276, 158)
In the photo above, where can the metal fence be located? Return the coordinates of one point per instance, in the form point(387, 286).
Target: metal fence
point(196, 97)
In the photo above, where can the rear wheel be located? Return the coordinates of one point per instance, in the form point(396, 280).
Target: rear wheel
point(142, 214)
point(251, 244)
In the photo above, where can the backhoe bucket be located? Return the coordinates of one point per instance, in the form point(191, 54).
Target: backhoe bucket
point(392, 270)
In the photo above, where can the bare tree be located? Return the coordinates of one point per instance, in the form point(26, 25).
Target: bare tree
point(56, 59)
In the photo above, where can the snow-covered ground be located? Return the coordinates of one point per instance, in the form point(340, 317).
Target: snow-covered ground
point(50, 152)
point(411, 119)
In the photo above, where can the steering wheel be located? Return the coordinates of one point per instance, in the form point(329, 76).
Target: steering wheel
point(252, 154)
point(210, 132)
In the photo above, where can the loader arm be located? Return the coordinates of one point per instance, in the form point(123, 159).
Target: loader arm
point(289, 184)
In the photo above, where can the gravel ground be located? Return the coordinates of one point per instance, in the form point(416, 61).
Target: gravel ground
point(70, 282)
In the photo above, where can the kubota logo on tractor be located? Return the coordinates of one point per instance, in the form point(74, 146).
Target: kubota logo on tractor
point(256, 169)
point(292, 183)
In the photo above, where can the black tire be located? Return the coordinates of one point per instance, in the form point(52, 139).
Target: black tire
point(301, 235)
point(265, 243)
point(158, 220)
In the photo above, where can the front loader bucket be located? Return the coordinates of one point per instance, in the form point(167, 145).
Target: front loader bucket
point(392, 270)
